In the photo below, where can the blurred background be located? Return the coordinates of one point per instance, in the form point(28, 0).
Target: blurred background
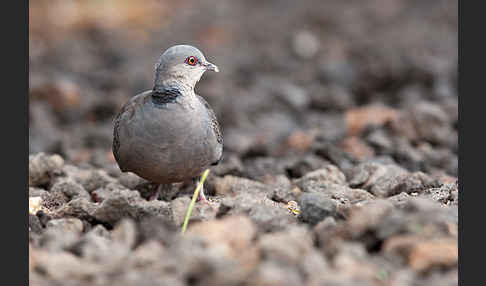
point(302, 83)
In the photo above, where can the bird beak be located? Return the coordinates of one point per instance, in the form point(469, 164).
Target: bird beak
point(211, 67)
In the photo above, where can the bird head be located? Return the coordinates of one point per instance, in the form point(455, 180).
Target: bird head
point(183, 65)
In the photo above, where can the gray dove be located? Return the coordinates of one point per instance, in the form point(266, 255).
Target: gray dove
point(169, 134)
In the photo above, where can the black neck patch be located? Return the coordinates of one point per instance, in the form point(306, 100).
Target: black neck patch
point(165, 95)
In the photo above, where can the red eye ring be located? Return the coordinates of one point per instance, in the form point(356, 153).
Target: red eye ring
point(192, 61)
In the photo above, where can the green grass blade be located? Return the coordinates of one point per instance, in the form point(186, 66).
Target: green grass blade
point(193, 201)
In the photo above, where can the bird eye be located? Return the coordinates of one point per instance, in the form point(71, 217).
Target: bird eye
point(192, 61)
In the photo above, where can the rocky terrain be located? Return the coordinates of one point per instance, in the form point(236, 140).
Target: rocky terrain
point(340, 144)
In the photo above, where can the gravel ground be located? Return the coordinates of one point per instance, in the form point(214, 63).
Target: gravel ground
point(340, 134)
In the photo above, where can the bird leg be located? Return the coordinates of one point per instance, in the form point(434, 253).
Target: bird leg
point(201, 197)
point(155, 193)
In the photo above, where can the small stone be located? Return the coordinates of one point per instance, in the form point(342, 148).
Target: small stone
point(271, 217)
point(125, 233)
point(305, 44)
point(229, 254)
point(69, 188)
point(159, 229)
point(357, 148)
point(43, 168)
point(434, 253)
point(66, 224)
point(379, 179)
point(35, 204)
point(93, 179)
point(125, 203)
point(273, 273)
point(60, 234)
point(283, 191)
point(36, 192)
point(372, 115)
point(328, 174)
point(400, 199)
point(228, 166)
point(34, 224)
point(231, 185)
point(315, 207)
point(286, 247)
point(201, 211)
point(416, 182)
point(53, 200)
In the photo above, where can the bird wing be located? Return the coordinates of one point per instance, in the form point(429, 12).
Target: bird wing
point(127, 110)
point(214, 121)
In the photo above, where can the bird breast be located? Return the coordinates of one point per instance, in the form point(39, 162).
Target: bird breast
point(167, 142)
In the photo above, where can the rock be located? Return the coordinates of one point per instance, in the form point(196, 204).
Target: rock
point(35, 205)
point(80, 208)
point(93, 179)
point(43, 168)
point(300, 141)
point(223, 250)
point(231, 186)
point(100, 195)
point(228, 166)
point(290, 94)
point(399, 200)
point(357, 148)
point(371, 115)
point(331, 97)
point(44, 135)
point(315, 207)
point(34, 225)
point(36, 192)
point(432, 123)
point(338, 72)
point(325, 232)
point(63, 95)
point(64, 266)
point(201, 211)
point(298, 166)
point(271, 217)
point(261, 167)
point(159, 229)
point(125, 203)
point(94, 246)
point(130, 180)
point(125, 233)
point(380, 140)
point(326, 175)
point(70, 188)
point(368, 216)
point(335, 155)
point(446, 194)
point(353, 262)
point(272, 273)
point(53, 200)
point(380, 180)
point(66, 224)
point(241, 203)
point(119, 204)
point(283, 191)
point(415, 183)
point(61, 234)
point(332, 186)
point(292, 249)
point(305, 44)
point(287, 247)
point(424, 254)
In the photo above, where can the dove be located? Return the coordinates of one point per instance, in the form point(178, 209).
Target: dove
point(169, 134)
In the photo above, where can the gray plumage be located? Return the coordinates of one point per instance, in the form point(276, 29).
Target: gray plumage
point(169, 134)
